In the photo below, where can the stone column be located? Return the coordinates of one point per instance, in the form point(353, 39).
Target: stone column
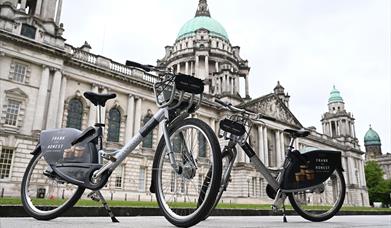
point(206, 67)
point(187, 67)
point(61, 102)
point(345, 167)
point(362, 169)
point(92, 112)
point(265, 146)
point(23, 4)
point(261, 153)
point(331, 129)
point(137, 120)
point(103, 112)
point(38, 8)
point(217, 66)
point(212, 124)
point(246, 86)
point(191, 68)
point(278, 148)
point(40, 107)
point(283, 149)
point(53, 101)
point(197, 63)
point(129, 118)
point(354, 131)
point(178, 67)
point(58, 14)
point(351, 171)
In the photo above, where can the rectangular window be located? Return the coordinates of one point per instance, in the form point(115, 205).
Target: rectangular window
point(5, 162)
point(11, 116)
point(28, 31)
point(19, 73)
point(141, 186)
point(119, 172)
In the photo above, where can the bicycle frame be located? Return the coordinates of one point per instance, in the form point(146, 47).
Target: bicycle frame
point(161, 117)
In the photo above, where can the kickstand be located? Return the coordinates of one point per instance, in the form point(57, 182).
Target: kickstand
point(283, 214)
point(97, 196)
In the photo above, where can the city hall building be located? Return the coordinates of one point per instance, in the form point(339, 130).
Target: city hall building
point(42, 80)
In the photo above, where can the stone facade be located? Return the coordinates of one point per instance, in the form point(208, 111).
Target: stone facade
point(41, 78)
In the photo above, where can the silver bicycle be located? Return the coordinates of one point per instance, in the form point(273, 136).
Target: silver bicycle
point(67, 161)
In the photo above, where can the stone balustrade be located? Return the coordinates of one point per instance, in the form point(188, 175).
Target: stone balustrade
point(108, 64)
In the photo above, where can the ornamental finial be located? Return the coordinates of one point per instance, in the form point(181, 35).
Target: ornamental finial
point(202, 9)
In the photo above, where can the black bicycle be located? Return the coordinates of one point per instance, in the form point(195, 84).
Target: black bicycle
point(312, 181)
point(67, 161)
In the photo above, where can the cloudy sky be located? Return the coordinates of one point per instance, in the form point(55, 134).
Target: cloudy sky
point(308, 45)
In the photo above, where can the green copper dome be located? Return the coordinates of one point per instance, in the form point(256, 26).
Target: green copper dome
point(371, 137)
point(205, 22)
point(335, 96)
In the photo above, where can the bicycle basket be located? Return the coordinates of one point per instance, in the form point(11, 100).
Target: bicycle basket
point(179, 91)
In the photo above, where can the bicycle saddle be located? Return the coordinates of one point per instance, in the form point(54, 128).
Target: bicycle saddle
point(297, 133)
point(99, 99)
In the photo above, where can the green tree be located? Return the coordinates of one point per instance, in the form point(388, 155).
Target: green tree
point(378, 189)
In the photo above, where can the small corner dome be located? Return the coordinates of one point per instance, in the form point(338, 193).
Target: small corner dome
point(335, 96)
point(371, 138)
point(202, 22)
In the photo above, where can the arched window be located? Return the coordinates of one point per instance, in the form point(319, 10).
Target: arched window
point(114, 125)
point(75, 114)
point(201, 145)
point(147, 142)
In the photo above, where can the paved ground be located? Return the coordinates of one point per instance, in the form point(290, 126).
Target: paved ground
point(234, 221)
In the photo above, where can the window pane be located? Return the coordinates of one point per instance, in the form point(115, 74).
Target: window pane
point(19, 72)
point(11, 116)
point(5, 162)
point(75, 113)
point(28, 31)
point(114, 125)
point(147, 141)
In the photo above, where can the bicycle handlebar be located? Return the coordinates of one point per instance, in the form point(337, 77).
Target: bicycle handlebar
point(147, 68)
point(243, 111)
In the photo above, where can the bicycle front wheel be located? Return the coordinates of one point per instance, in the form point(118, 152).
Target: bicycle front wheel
point(197, 152)
point(44, 195)
point(323, 202)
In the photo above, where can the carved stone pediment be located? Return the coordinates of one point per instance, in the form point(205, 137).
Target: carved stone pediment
point(16, 92)
point(271, 105)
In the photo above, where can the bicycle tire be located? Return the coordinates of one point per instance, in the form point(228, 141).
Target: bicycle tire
point(37, 211)
point(175, 216)
point(325, 216)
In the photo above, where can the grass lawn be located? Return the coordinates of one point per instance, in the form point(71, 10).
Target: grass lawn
point(116, 203)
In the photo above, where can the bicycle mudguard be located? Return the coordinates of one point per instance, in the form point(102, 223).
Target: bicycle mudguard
point(72, 154)
point(303, 170)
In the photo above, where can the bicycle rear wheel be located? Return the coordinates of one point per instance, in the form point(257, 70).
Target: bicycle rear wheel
point(197, 151)
point(321, 203)
point(44, 195)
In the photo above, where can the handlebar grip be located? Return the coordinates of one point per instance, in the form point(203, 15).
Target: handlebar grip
point(138, 65)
